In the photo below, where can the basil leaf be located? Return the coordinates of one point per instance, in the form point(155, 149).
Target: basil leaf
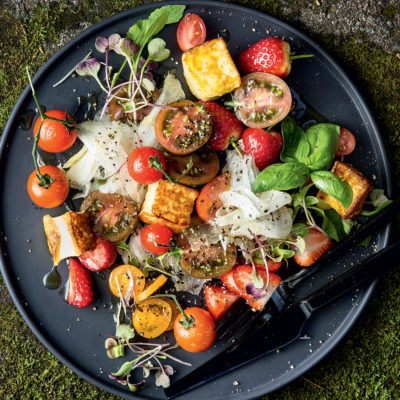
point(125, 368)
point(175, 13)
point(331, 184)
point(323, 139)
point(286, 176)
point(284, 253)
point(377, 210)
point(295, 144)
point(311, 201)
point(332, 224)
point(299, 229)
point(157, 50)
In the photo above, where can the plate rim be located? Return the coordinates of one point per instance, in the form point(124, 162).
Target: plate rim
point(12, 123)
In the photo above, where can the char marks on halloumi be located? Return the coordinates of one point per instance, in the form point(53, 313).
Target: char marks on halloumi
point(209, 70)
point(360, 184)
point(168, 204)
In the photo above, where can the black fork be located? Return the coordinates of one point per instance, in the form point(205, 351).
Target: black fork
point(233, 328)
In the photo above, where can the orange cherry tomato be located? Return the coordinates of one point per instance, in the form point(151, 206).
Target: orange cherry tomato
point(55, 194)
point(120, 281)
point(191, 32)
point(208, 201)
point(54, 136)
point(200, 336)
point(152, 317)
point(175, 312)
point(347, 143)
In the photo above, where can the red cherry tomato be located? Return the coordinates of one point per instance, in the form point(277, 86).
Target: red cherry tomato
point(55, 194)
point(208, 201)
point(200, 336)
point(54, 136)
point(191, 32)
point(347, 143)
point(154, 233)
point(139, 168)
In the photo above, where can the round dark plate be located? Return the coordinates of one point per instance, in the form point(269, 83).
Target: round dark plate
point(76, 337)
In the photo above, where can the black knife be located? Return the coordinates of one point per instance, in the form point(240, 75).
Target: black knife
point(276, 331)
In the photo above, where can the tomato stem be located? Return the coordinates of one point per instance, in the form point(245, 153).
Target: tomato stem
point(292, 57)
point(189, 166)
point(154, 162)
point(235, 146)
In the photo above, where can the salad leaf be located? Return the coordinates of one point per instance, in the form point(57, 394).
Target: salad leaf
point(300, 229)
point(333, 226)
point(295, 143)
point(331, 184)
point(290, 175)
point(378, 200)
point(323, 140)
point(157, 50)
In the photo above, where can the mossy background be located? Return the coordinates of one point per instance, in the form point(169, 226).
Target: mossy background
point(366, 364)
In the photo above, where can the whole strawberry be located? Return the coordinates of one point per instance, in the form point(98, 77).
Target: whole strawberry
point(226, 127)
point(80, 292)
point(271, 55)
point(264, 146)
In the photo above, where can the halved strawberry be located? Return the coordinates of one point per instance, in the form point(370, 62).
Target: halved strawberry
point(101, 257)
point(257, 298)
point(80, 292)
point(226, 127)
point(219, 300)
point(272, 265)
point(229, 281)
point(317, 243)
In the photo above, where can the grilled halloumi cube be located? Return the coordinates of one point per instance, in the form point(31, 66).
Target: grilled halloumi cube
point(69, 235)
point(169, 205)
point(360, 184)
point(209, 70)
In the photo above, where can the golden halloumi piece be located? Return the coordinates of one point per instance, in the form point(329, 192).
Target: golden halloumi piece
point(209, 70)
point(169, 205)
point(69, 235)
point(360, 184)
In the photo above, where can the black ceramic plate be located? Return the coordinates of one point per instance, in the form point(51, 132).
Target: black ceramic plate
point(75, 336)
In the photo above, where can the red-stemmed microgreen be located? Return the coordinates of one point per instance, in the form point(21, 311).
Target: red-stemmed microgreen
point(45, 180)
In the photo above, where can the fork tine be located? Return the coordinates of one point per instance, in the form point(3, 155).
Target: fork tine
point(233, 324)
point(237, 309)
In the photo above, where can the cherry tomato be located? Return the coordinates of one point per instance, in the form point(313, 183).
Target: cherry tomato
point(54, 136)
point(111, 215)
point(191, 32)
point(184, 128)
point(55, 194)
point(347, 143)
point(152, 317)
point(208, 201)
point(200, 336)
point(120, 281)
point(205, 167)
point(139, 168)
point(154, 233)
point(175, 312)
point(262, 100)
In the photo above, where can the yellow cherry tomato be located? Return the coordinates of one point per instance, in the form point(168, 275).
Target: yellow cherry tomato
point(120, 281)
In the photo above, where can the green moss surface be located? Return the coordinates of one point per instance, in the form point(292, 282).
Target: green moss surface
point(366, 365)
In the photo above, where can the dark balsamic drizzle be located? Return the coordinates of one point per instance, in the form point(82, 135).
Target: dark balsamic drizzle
point(52, 280)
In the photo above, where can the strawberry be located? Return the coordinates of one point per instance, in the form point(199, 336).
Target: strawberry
point(272, 266)
point(264, 146)
point(219, 300)
point(80, 292)
point(229, 282)
point(101, 258)
point(317, 243)
point(257, 298)
point(226, 127)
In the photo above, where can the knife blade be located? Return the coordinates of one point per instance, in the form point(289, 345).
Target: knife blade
point(277, 331)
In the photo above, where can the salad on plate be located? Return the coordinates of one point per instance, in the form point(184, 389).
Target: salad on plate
point(220, 194)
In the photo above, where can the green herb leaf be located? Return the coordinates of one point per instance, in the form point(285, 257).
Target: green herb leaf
point(377, 210)
point(157, 50)
point(331, 184)
point(284, 253)
point(348, 225)
point(365, 241)
point(332, 225)
point(299, 243)
point(323, 139)
point(378, 197)
point(300, 225)
point(175, 13)
point(257, 280)
point(295, 144)
point(125, 368)
point(286, 176)
point(125, 331)
point(311, 201)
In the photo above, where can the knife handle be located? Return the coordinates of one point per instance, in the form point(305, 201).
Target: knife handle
point(354, 277)
point(385, 216)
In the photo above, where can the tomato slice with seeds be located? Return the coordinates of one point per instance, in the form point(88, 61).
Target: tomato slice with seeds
point(191, 32)
point(152, 317)
point(347, 143)
point(183, 127)
point(208, 202)
point(205, 167)
point(111, 215)
point(262, 100)
point(120, 281)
